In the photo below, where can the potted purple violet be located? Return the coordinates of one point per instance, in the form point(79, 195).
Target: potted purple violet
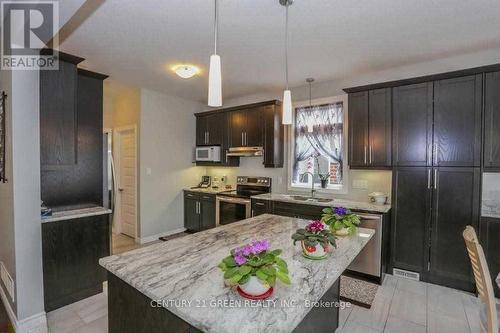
point(253, 268)
point(341, 220)
point(315, 240)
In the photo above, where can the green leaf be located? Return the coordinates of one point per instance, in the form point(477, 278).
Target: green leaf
point(271, 280)
point(244, 270)
point(283, 277)
point(229, 261)
point(300, 231)
point(231, 272)
point(261, 275)
point(338, 225)
point(283, 269)
point(236, 278)
point(311, 242)
point(269, 270)
point(281, 263)
point(244, 279)
point(328, 210)
point(222, 266)
point(298, 237)
point(276, 252)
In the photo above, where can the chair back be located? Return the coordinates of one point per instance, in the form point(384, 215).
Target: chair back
point(482, 276)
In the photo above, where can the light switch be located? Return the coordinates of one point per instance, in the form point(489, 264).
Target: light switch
point(360, 184)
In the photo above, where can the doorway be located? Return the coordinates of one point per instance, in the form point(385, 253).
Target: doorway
point(125, 150)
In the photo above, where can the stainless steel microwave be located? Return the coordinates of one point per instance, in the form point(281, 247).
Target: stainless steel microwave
point(208, 154)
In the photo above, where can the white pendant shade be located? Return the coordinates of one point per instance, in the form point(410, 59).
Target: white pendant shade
point(215, 82)
point(287, 108)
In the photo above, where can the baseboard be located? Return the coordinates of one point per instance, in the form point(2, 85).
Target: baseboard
point(34, 324)
point(153, 238)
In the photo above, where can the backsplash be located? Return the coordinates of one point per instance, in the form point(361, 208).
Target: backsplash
point(491, 194)
point(374, 180)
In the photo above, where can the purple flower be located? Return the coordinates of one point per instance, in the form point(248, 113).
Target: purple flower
point(340, 211)
point(315, 226)
point(240, 260)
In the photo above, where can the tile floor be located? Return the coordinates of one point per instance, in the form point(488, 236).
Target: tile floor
point(401, 306)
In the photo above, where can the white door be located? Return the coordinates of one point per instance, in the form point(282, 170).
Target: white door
point(127, 180)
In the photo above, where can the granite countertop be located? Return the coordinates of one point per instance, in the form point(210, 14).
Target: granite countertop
point(207, 190)
point(183, 273)
point(485, 213)
point(75, 213)
point(354, 205)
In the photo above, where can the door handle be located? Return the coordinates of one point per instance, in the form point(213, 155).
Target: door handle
point(365, 154)
point(120, 189)
point(435, 179)
point(370, 154)
point(242, 138)
point(246, 139)
point(429, 179)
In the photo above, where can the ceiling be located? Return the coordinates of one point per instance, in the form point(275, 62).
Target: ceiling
point(136, 42)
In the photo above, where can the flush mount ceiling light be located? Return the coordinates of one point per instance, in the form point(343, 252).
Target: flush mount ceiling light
point(214, 74)
point(287, 95)
point(186, 71)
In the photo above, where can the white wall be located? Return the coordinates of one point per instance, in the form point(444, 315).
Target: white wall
point(167, 138)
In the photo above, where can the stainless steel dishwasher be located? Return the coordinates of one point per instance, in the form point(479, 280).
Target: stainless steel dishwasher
point(369, 260)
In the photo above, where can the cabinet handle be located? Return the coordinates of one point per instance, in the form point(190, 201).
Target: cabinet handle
point(429, 179)
point(242, 138)
point(208, 137)
point(365, 154)
point(259, 204)
point(435, 179)
point(434, 153)
point(246, 139)
point(370, 154)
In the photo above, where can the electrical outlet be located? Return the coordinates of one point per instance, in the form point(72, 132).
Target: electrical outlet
point(360, 184)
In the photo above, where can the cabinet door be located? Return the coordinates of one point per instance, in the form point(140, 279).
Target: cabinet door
point(411, 218)
point(492, 121)
point(273, 136)
point(379, 153)
point(490, 240)
point(215, 129)
point(457, 121)
point(412, 125)
point(58, 130)
point(254, 135)
point(207, 211)
point(201, 130)
point(455, 205)
point(358, 129)
point(260, 207)
point(191, 216)
point(238, 123)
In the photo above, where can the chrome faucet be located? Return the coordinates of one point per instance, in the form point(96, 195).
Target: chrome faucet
point(313, 191)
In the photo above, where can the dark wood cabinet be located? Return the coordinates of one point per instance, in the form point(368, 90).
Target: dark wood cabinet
point(379, 128)
point(302, 211)
point(412, 125)
point(260, 207)
point(457, 121)
point(237, 128)
point(199, 211)
point(210, 130)
point(274, 135)
point(358, 129)
point(492, 121)
point(246, 128)
point(490, 240)
point(411, 215)
point(58, 113)
point(455, 205)
point(71, 250)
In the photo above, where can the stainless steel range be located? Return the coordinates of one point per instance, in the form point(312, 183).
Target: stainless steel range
point(236, 205)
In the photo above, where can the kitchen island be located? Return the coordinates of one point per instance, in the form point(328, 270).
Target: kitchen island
point(177, 287)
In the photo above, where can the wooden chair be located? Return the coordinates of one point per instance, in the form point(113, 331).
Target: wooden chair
point(489, 313)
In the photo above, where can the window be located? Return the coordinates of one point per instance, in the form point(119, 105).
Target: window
point(318, 144)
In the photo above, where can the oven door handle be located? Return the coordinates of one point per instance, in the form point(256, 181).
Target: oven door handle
point(233, 200)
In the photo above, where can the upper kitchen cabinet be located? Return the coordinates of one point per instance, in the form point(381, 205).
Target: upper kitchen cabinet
point(412, 124)
point(58, 123)
point(370, 129)
point(492, 121)
point(210, 129)
point(274, 134)
point(457, 121)
point(246, 128)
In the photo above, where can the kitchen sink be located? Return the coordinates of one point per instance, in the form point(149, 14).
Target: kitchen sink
point(304, 198)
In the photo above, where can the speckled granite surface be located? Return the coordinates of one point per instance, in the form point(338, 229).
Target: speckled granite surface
point(354, 205)
point(75, 214)
point(207, 190)
point(183, 272)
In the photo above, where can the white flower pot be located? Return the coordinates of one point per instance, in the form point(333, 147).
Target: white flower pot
point(318, 252)
point(342, 232)
point(255, 287)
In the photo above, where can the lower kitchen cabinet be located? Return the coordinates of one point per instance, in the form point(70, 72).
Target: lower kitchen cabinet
point(301, 211)
point(490, 240)
point(260, 207)
point(431, 207)
point(199, 211)
point(71, 250)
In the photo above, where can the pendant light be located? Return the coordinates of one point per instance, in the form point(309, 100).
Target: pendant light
point(287, 95)
point(214, 74)
point(310, 121)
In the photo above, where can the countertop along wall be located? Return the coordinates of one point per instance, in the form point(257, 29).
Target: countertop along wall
point(166, 153)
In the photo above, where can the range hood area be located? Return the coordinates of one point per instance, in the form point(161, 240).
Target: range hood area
point(245, 151)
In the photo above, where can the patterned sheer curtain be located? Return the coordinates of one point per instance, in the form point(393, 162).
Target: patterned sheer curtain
point(319, 134)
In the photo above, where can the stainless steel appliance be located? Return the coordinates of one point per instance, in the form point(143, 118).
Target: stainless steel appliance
point(369, 260)
point(245, 151)
point(208, 154)
point(233, 206)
